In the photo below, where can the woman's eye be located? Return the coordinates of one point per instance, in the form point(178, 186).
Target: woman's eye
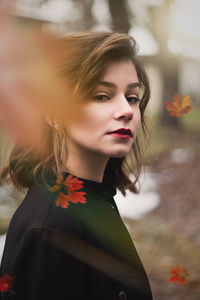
point(101, 97)
point(133, 99)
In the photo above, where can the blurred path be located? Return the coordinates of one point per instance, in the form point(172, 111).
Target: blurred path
point(136, 206)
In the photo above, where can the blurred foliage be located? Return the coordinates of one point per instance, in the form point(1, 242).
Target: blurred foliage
point(191, 121)
point(164, 138)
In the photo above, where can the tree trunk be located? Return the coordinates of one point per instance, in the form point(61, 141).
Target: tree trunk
point(120, 15)
point(87, 15)
point(170, 72)
point(165, 61)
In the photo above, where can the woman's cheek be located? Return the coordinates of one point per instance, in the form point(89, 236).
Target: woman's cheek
point(137, 120)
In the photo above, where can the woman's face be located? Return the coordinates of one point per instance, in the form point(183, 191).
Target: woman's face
point(113, 106)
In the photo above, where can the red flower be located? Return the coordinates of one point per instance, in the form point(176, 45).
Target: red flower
point(5, 282)
point(178, 275)
point(71, 185)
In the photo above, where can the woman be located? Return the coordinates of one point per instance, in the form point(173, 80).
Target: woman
point(66, 240)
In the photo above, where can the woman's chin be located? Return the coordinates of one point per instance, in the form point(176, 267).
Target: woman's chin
point(119, 154)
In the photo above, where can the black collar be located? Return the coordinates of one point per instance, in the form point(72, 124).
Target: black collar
point(107, 189)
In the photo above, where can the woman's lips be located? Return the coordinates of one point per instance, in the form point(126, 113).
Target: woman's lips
point(120, 135)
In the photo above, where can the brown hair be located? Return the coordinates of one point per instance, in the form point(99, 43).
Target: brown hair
point(83, 69)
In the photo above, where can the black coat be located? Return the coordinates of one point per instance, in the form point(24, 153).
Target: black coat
point(82, 252)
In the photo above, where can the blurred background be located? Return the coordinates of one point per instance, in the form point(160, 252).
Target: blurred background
point(164, 219)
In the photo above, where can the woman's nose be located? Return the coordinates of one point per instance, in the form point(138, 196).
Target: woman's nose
point(123, 109)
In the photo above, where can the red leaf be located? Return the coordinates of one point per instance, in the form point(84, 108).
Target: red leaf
point(71, 185)
point(5, 282)
point(62, 200)
point(178, 275)
point(176, 270)
point(76, 197)
point(179, 105)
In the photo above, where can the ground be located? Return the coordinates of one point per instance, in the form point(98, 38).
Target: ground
point(169, 236)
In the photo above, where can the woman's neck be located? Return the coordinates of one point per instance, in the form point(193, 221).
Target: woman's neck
point(86, 164)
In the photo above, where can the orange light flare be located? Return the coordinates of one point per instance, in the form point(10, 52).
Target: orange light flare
point(30, 87)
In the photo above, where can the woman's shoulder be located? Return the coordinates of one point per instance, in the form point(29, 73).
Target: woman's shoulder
point(34, 208)
point(38, 210)
point(37, 216)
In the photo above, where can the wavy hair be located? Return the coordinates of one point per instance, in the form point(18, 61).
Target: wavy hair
point(83, 69)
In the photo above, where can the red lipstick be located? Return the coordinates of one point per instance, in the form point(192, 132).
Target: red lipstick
point(121, 133)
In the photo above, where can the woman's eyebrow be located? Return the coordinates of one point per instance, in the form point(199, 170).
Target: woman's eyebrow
point(134, 84)
point(113, 85)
